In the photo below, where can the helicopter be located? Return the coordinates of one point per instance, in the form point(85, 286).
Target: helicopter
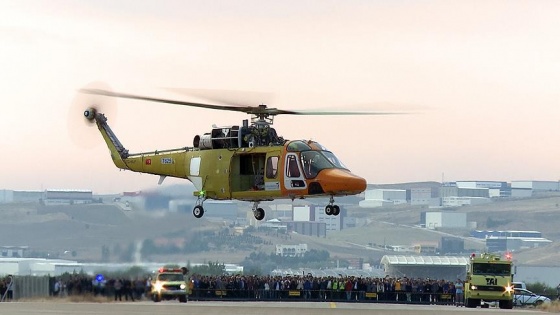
point(248, 162)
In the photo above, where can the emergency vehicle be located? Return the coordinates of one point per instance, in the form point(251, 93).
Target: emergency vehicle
point(489, 279)
point(169, 284)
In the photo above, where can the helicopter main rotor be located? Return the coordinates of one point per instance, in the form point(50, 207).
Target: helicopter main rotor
point(262, 114)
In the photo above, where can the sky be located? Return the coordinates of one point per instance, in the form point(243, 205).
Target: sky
point(480, 79)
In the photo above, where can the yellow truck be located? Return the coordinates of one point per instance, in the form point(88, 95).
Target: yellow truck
point(489, 280)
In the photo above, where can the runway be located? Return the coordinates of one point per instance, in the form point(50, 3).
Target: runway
point(242, 308)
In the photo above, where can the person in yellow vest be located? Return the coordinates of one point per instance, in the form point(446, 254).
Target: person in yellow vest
point(335, 289)
point(398, 289)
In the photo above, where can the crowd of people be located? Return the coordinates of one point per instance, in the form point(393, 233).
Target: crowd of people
point(6, 288)
point(242, 287)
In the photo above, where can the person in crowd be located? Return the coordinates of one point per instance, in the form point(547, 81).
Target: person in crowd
point(118, 287)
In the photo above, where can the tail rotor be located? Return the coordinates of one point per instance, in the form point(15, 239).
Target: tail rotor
point(83, 111)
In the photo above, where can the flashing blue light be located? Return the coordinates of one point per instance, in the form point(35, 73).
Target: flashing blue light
point(99, 278)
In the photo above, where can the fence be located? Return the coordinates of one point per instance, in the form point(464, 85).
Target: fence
point(28, 287)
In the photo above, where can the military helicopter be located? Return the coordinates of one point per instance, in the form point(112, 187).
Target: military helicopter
point(248, 162)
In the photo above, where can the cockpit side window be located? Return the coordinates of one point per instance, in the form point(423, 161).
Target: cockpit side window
point(272, 167)
point(292, 169)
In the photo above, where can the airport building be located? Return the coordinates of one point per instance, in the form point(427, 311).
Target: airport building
point(48, 197)
point(291, 250)
point(13, 251)
point(28, 196)
point(303, 213)
point(526, 188)
point(501, 241)
point(280, 211)
point(536, 185)
point(332, 222)
point(383, 197)
point(503, 244)
point(67, 197)
point(521, 193)
point(484, 234)
point(494, 188)
point(433, 267)
point(439, 219)
point(423, 196)
point(454, 201)
point(308, 228)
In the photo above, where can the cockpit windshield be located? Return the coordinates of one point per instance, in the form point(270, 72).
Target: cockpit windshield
point(314, 157)
point(492, 269)
point(315, 161)
point(297, 145)
point(170, 277)
point(317, 146)
point(334, 160)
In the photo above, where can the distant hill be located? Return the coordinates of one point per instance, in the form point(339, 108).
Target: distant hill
point(85, 229)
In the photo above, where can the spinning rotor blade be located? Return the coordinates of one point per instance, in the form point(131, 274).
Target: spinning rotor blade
point(231, 97)
point(245, 109)
point(261, 110)
point(342, 113)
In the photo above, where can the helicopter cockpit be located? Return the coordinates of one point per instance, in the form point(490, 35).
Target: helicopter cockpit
point(314, 157)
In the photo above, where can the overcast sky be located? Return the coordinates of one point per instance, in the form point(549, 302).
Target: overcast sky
point(485, 74)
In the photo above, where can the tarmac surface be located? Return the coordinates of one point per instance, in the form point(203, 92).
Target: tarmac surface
point(242, 308)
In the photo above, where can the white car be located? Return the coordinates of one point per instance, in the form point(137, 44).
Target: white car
point(523, 297)
point(519, 285)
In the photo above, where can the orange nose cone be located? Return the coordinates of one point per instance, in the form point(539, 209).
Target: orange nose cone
point(341, 182)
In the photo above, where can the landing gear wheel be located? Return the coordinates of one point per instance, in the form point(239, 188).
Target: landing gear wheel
point(329, 210)
point(537, 303)
point(507, 304)
point(198, 212)
point(472, 303)
point(336, 210)
point(156, 297)
point(259, 214)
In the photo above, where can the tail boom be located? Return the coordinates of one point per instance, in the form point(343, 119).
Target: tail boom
point(163, 163)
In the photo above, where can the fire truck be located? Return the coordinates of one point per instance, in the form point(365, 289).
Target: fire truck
point(489, 280)
point(169, 284)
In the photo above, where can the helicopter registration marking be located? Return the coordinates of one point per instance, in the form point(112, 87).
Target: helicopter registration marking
point(166, 161)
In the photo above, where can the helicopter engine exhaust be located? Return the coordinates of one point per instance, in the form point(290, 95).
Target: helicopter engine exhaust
point(203, 142)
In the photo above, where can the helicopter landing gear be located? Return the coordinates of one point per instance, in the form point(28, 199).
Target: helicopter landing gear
point(331, 208)
point(258, 212)
point(198, 210)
